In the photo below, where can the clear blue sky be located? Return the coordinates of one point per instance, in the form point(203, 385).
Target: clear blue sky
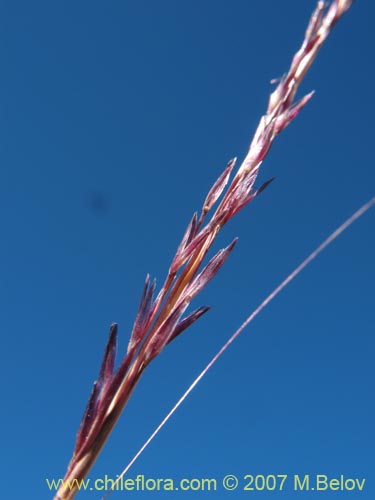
point(116, 118)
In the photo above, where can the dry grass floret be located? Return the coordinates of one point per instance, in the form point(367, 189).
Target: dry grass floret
point(161, 319)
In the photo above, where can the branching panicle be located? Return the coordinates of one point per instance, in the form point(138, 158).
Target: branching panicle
point(160, 321)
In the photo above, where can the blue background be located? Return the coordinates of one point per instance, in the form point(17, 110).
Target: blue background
point(116, 118)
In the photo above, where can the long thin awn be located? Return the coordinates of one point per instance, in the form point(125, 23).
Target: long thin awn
point(356, 215)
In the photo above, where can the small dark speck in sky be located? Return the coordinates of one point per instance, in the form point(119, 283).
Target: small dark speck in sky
point(99, 203)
